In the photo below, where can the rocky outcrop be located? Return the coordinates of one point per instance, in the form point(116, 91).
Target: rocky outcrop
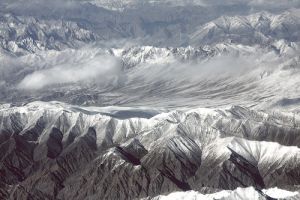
point(50, 151)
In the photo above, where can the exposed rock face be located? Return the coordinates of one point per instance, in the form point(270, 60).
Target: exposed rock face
point(51, 151)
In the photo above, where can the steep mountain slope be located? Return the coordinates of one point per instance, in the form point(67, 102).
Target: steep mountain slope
point(50, 149)
point(259, 28)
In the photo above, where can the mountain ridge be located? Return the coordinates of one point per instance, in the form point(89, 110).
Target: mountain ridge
point(52, 137)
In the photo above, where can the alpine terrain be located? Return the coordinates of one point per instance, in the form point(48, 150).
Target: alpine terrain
point(150, 99)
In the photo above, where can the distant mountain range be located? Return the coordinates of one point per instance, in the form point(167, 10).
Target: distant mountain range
point(30, 34)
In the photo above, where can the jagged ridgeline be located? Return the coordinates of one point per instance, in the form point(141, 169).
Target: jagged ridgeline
point(49, 151)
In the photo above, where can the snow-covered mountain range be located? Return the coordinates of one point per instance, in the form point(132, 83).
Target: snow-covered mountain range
point(19, 33)
point(152, 99)
point(52, 149)
point(258, 28)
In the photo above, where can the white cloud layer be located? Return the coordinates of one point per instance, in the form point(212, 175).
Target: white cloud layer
point(95, 70)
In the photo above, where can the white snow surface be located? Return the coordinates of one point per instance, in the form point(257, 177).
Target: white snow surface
point(238, 194)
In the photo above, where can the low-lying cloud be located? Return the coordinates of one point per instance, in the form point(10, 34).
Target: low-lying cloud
point(96, 70)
